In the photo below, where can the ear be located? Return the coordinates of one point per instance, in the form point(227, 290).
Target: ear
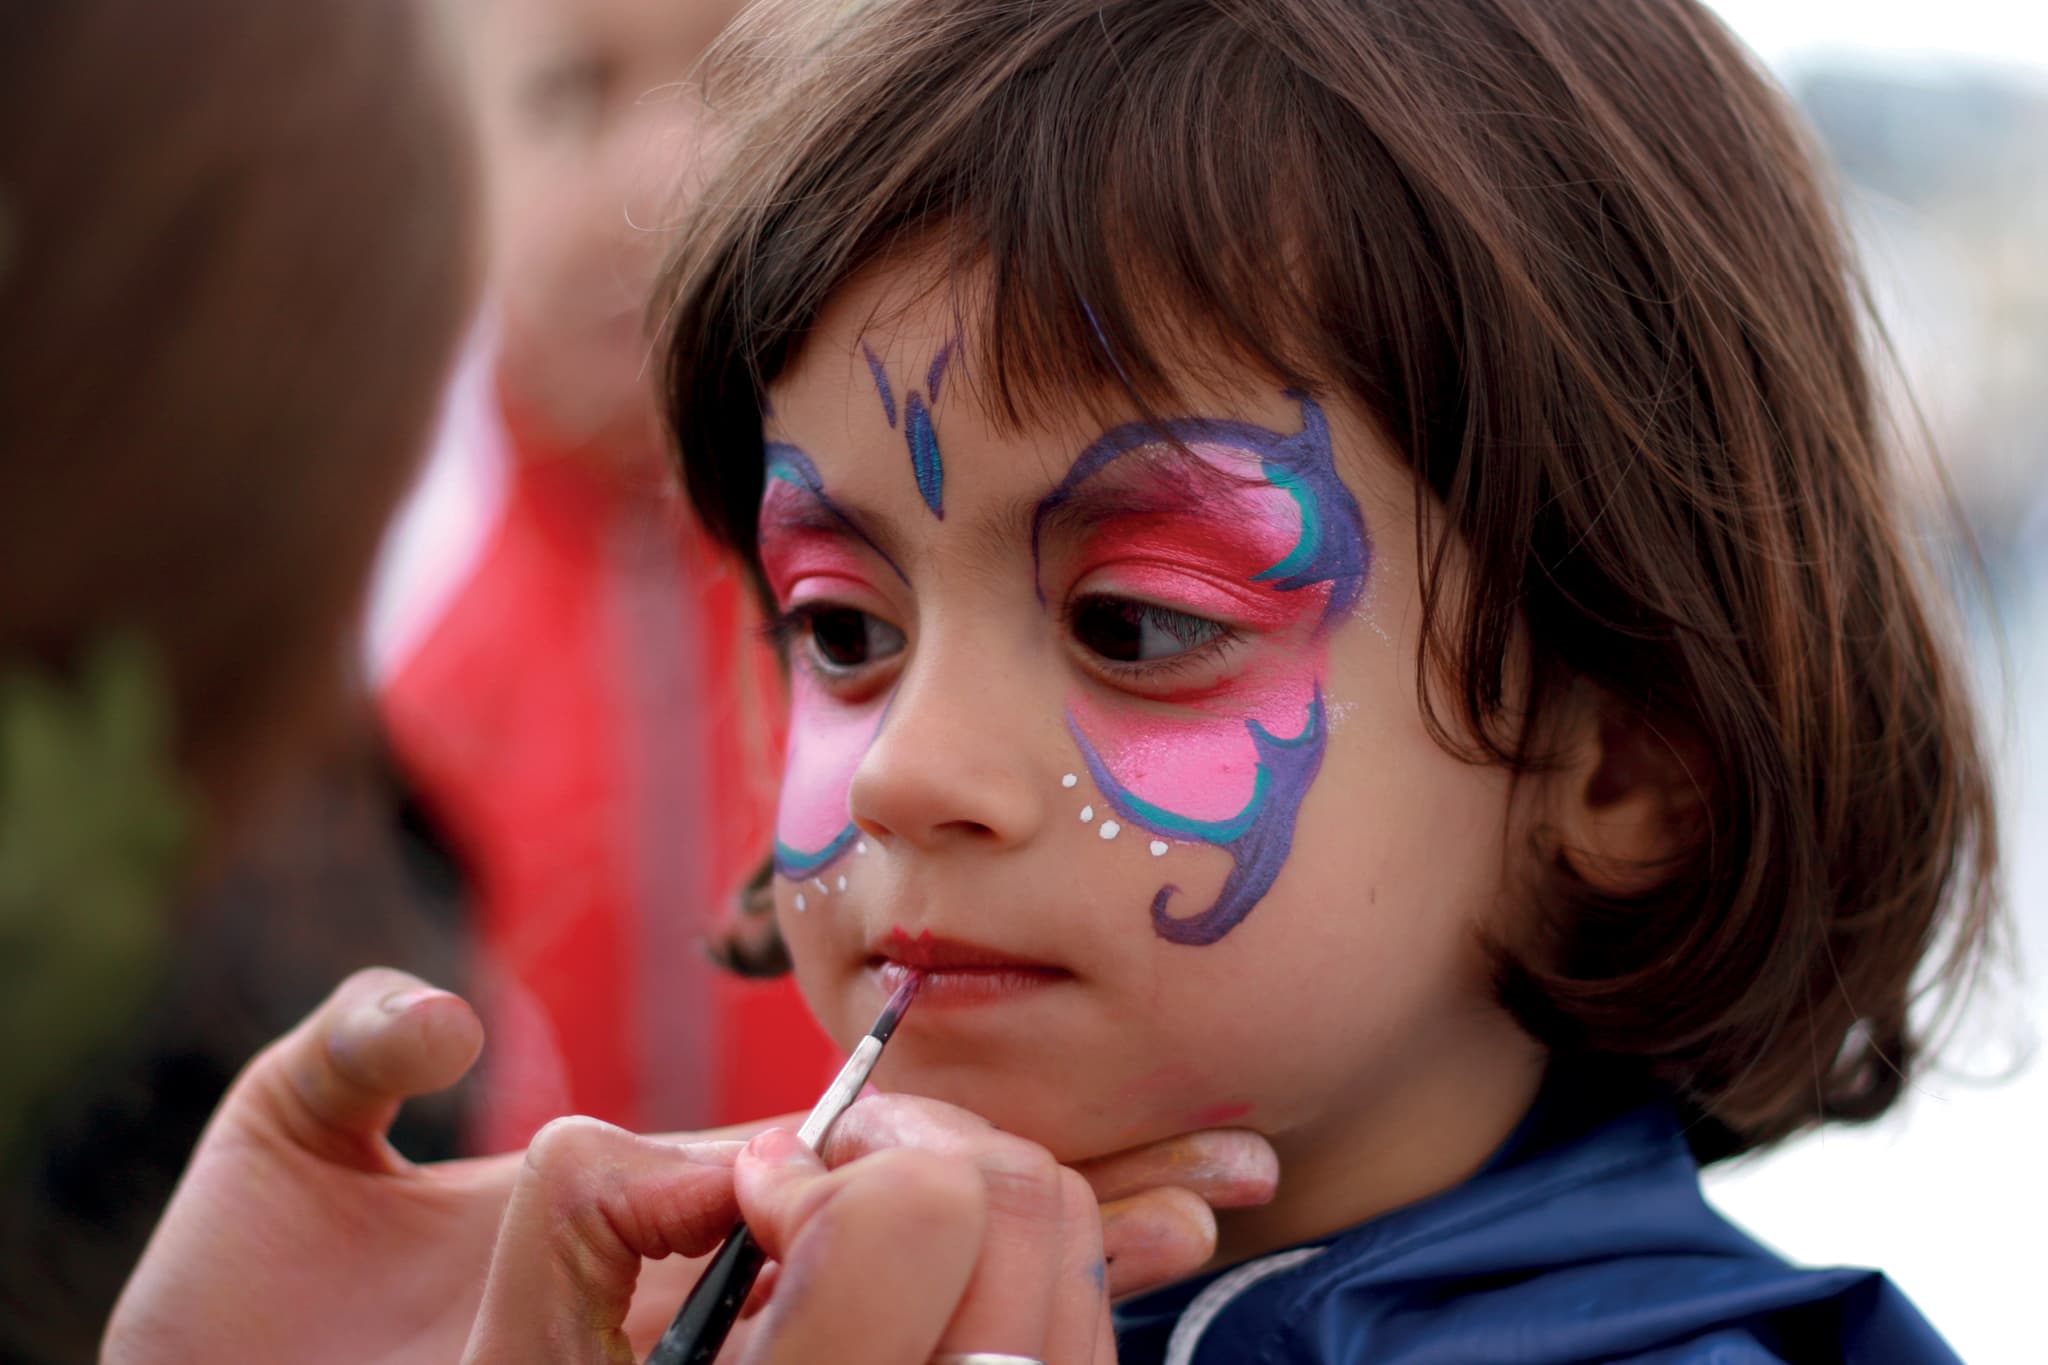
point(1630, 797)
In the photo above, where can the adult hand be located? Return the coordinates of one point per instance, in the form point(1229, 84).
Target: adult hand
point(930, 1232)
point(1063, 1243)
point(299, 1233)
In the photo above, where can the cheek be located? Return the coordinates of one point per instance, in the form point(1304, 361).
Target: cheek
point(1203, 766)
point(826, 744)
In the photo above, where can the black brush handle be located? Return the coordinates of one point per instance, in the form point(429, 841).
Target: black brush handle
point(707, 1316)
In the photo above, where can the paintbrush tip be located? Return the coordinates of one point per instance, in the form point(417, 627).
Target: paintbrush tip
point(892, 1013)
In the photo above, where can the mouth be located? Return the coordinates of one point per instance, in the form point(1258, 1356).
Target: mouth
point(957, 973)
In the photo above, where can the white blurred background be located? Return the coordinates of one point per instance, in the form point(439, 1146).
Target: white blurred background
point(1936, 114)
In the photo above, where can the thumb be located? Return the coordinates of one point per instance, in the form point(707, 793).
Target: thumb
point(333, 1084)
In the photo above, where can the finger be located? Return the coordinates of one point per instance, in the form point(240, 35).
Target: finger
point(1080, 1294)
point(1229, 1168)
point(1155, 1237)
point(1010, 1299)
point(875, 1254)
point(737, 1132)
point(333, 1084)
point(591, 1201)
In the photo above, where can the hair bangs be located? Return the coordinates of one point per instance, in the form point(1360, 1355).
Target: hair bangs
point(1117, 226)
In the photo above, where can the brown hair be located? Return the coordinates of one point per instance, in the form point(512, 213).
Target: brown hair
point(1572, 256)
point(234, 257)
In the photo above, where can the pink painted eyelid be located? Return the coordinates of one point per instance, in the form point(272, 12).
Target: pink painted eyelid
point(1177, 587)
point(823, 587)
point(801, 559)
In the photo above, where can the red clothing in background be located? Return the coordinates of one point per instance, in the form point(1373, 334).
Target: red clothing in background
point(583, 702)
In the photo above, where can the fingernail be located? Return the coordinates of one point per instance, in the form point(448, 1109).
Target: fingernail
point(869, 1091)
point(779, 1147)
point(398, 1002)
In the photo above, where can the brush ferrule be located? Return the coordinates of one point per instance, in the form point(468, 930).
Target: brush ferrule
point(845, 1088)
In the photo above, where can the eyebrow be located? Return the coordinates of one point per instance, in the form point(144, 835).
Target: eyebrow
point(1076, 512)
point(1059, 513)
point(1180, 483)
point(818, 512)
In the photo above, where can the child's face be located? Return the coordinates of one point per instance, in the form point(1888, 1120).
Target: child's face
point(1132, 745)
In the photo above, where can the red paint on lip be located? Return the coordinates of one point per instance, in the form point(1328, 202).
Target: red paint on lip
point(1216, 1115)
point(931, 953)
point(957, 973)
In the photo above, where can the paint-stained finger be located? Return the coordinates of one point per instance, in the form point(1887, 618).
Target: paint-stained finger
point(1080, 1309)
point(1228, 1168)
point(1155, 1237)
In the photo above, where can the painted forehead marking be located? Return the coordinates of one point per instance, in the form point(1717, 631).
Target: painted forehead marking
point(927, 467)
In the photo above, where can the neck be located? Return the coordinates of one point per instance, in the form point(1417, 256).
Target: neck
point(1430, 1128)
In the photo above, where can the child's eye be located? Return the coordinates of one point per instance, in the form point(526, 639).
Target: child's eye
point(840, 640)
point(1128, 632)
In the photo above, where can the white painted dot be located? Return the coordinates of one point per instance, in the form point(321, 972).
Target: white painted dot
point(1069, 780)
point(860, 846)
point(1158, 847)
point(1087, 814)
point(1110, 829)
point(823, 889)
point(841, 883)
point(801, 904)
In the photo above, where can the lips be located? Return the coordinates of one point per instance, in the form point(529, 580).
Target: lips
point(958, 973)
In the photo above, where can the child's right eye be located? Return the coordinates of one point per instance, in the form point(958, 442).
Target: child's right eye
point(839, 641)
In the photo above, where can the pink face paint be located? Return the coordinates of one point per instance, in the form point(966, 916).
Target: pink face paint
point(1233, 775)
point(795, 497)
point(1200, 766)
point(805, 565)
point(1205, 563)
point(808, 551)
point(827, 740)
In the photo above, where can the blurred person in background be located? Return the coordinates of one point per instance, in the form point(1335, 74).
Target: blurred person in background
point(195, 840)
point(567, 670)
point(235, 258)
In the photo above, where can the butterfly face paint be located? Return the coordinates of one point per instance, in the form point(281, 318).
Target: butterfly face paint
point(804, 550)
point(1275, 542)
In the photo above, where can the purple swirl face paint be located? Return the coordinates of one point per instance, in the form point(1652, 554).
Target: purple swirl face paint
point(1277, 540)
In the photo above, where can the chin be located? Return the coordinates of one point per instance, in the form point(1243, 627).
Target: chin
point(1065, 1121)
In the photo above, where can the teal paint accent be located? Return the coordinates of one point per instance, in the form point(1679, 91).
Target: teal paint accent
point(1304, 552)
point(1227, 831)
point(794, 863)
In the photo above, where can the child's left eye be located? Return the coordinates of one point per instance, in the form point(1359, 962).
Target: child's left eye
point(1129, 632)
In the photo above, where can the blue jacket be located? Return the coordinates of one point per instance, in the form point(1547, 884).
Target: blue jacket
point(1585, 1238)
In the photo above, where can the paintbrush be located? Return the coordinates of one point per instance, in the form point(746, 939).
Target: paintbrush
point(707, 1315)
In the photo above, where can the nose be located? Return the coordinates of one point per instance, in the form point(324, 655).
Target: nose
point(955, 763)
